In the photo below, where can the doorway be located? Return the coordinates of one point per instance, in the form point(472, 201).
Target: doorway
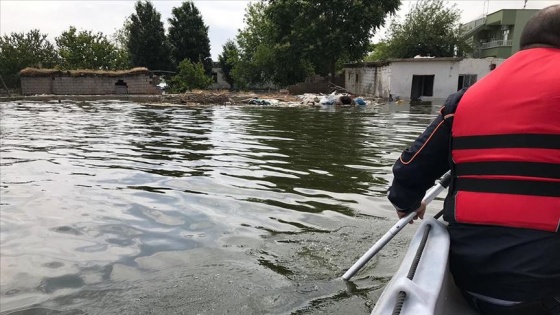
point(422, 85)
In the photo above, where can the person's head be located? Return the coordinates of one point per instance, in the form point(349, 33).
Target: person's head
point(542, 29)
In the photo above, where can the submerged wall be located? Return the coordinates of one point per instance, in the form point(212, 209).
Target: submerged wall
point(88, 85)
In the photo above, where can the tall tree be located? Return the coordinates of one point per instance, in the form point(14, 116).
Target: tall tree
point(147, 43)
point(120, 40)
point(431, 28)
point(227, 59)
point(255, 64)
point(20, 50)
point(86, 50)
point(188, 36)
point(328, 32)
point(295, 38)
point(264, 59)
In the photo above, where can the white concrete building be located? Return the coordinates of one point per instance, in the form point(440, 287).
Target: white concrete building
point(416, 78)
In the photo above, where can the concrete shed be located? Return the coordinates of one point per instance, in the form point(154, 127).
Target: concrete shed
point(416, 78)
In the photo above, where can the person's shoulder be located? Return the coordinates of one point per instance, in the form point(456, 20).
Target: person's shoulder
point(452, 101)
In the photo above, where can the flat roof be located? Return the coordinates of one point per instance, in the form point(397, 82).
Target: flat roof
point(389, 61)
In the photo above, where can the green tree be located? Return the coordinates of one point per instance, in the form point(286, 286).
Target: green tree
point(263, 59)
point(147, 44)
point(188, 36)
point(227, 59)
point(255, 63)
point(299, 37)
point(120, 40)
point(430, 29)
point(378, 51)
point(21, 50)
point(329, 32)
point(86, 50)
point(190, 76)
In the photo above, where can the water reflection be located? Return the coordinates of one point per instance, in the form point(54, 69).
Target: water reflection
point(99, 195)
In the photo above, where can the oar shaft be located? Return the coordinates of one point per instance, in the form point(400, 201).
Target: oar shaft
point(431, 194)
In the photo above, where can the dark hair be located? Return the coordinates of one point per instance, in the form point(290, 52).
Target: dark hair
point(542, 29)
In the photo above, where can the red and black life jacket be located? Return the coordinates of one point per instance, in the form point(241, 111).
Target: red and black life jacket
point(506, 145)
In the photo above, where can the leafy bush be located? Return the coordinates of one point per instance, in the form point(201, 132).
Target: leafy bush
point(190, 76)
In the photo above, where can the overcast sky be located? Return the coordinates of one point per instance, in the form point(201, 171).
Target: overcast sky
point(224, 18)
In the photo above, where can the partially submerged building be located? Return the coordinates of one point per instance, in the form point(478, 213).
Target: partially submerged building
point(416, 78)
point(88, 82)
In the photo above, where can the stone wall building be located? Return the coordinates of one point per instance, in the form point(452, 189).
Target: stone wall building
point(88, 82)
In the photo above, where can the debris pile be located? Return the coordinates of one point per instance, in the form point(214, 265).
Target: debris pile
point(337, 99)
point(206, 97)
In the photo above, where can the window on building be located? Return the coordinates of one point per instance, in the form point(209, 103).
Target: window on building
point(215, 77)
point(466, 80)
point(357, 77)
point(422, 85)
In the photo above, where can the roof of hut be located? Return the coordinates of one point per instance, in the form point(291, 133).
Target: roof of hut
point(34, 72)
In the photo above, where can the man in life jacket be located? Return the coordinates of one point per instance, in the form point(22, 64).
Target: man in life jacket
point(501, 140)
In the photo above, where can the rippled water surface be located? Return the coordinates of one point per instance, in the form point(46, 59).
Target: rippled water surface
point(122, 208)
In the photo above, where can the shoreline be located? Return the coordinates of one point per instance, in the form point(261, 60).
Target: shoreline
point(189, 98)
point(194, 98)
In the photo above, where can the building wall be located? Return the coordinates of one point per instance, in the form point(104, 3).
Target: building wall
point(497, 52)
point(36, 85)
point(480, 67)
point(396, 78)
point(368, 81)
point(87, 85)
point(521, 19)
point(360, 80)
point(495, 17)
point(220, 83)
point(445, 80)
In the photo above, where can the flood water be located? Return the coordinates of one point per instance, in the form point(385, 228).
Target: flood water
point(122, 208)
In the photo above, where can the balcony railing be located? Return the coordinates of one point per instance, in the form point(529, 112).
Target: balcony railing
point(495, 43)
point(470, 28)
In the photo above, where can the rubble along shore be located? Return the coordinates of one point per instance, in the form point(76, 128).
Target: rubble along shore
point(189, 98)
point(194, 98)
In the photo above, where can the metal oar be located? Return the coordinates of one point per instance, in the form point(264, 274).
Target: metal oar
point(430, 195)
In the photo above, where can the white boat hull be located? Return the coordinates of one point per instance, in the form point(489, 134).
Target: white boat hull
point(431, 290)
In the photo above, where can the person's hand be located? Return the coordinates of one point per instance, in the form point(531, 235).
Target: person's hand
point(419, 213)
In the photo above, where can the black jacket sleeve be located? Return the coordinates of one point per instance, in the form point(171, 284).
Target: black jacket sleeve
point(425, 161)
